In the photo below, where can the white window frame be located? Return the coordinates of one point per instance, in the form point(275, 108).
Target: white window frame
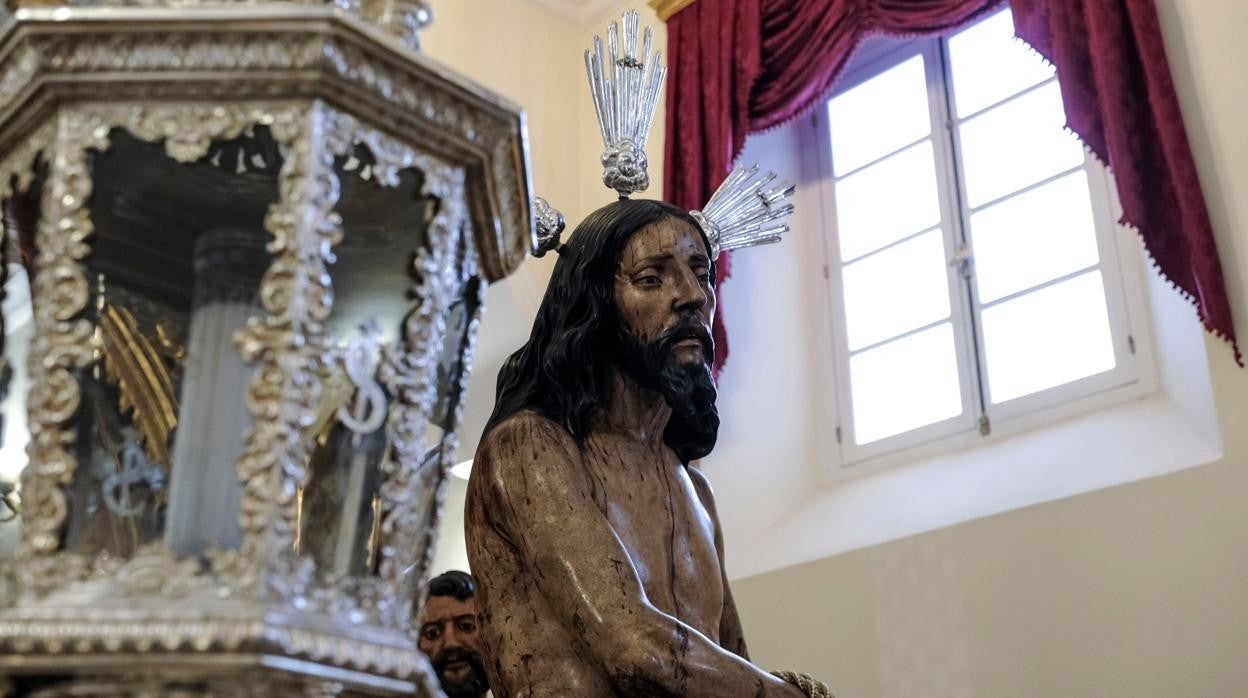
point(1126, 298)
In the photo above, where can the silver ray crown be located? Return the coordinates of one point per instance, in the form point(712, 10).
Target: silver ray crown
point(625, 98)
point(745, 211)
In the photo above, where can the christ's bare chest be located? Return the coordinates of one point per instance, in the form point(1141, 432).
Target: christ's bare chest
point(655, 511)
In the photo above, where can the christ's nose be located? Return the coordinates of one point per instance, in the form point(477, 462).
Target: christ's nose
point(689, 293)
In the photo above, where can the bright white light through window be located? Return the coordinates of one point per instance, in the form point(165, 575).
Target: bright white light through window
point(1016, 144)
point(905, 384)
point(973, 259)
point(1044, 339)
point(867, 210)
point(1042, 234)
point(879, 116)
point(900, 289)
point(989, 64)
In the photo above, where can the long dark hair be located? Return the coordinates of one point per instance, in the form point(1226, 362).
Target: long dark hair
point(563, 372)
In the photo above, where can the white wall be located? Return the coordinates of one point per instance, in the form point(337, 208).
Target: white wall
point(1136, 590)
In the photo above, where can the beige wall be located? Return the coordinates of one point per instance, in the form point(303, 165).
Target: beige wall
point(519, 50)
point(533, 57)
point(1139, 590)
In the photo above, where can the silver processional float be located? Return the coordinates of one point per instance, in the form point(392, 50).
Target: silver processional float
point(257, 236)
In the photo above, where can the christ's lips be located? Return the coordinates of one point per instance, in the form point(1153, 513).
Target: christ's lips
point(689, 334)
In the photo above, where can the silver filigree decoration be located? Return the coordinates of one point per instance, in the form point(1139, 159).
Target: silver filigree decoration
point(288, 344)
point(450, 443)
point(64, 343)
point(410, 373)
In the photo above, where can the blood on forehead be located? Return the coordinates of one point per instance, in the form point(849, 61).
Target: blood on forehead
point(670, 236)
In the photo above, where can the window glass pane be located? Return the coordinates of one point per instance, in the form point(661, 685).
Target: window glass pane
point(879, 116)
point(898, 290)
point(1016, 144)
point(1034, 237)
point(988, 64)
point(1046, 338)
point(905, 384)
point(887, 201)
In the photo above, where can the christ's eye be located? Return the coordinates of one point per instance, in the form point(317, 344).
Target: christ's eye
point(649, 281)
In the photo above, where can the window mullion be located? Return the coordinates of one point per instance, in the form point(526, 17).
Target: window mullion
point(945, 138)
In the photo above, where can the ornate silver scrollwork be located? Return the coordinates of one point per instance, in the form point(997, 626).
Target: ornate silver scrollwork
point(367, 411)
point(284, 393)
point(64, 342)
point(256, 47)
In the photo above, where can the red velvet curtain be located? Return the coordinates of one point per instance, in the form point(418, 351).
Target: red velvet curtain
point(740, 66)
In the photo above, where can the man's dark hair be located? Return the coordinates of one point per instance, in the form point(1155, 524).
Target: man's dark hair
point(563, 372)
point(460, 585)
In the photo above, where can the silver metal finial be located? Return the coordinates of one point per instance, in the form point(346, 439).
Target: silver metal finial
point(550, 225)
point(625, 99)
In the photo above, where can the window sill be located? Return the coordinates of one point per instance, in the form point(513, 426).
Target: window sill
point(1163, 424)
point(1136, 440)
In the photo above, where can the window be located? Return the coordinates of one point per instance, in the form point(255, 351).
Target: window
point(972, 254)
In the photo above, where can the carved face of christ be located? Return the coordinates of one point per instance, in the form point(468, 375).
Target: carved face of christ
point(665, 295)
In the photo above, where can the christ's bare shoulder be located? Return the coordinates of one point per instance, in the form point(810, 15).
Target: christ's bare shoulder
point(523, 450)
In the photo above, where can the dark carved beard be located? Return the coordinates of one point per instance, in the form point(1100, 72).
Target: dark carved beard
point(472, 686)
point(687, 388)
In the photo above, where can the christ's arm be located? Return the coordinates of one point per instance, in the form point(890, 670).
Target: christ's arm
point(533, 479)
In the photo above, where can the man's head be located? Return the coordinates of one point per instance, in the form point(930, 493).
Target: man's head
point(633, 291)
point(448, 635)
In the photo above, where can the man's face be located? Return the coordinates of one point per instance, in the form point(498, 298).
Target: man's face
point(664, 293)
point(448, 636)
